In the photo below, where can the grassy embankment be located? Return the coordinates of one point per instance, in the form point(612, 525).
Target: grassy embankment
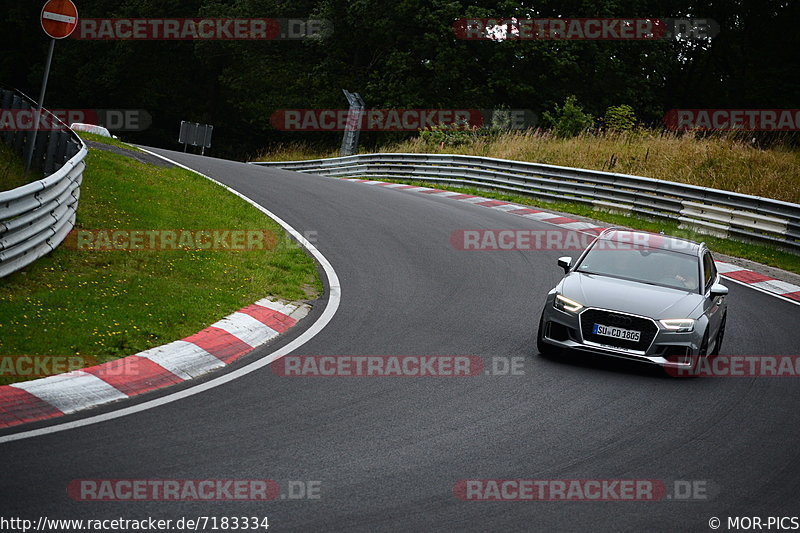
point(107, 304)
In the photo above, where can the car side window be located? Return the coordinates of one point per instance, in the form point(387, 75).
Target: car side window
point(710, 270)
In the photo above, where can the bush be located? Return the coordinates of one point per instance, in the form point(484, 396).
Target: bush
point(450, 135)
point(568, 120)
point(620, 118)
point(501, 119)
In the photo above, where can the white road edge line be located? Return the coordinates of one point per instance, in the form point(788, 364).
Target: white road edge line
point(544, 221)
point(334, 299)
point(759, 289)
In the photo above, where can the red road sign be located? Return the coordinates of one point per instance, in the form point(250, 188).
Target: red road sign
point(59, 18)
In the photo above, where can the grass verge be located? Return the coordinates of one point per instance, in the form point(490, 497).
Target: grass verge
point(108, 304)
point(86, 136)
point(754, 252)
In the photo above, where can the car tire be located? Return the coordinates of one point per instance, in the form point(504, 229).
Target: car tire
point(720, 336)
point(544, 348)
point(701, 354)
point(703, 346)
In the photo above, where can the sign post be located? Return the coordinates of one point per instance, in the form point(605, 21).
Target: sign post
point(353, 126)
point(59, 19)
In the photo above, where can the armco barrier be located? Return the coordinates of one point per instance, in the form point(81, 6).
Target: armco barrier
point(35, 218)
point(712, 211)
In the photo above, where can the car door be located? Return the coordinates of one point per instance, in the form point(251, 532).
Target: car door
point(712, 306)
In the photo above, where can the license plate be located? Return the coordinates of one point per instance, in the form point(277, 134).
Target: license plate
point(616, 333)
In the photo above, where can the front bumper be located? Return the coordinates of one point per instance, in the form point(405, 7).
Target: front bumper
point(667, 349)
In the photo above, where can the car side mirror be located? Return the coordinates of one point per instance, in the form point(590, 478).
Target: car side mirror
point(566, 263)
point(718, 290)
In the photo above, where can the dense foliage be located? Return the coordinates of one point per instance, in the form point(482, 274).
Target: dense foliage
point(403, 53)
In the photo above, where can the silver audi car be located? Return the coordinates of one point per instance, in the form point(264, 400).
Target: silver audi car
point(639, 296)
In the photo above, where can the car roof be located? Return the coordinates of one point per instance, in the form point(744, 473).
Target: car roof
point(647, 239)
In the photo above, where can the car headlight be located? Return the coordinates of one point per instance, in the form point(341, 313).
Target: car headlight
point(678, 325)
point(562, 303)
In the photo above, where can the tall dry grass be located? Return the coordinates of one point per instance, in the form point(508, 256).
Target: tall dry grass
point(294, 152)
point(724, 161)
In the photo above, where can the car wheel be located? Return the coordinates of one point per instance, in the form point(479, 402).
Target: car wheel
point(720, 336)
point(544, 348)
point(696, 358)
point(702, 354)
point(704, 346)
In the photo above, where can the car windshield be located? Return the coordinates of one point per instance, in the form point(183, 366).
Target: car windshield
point(648, 265)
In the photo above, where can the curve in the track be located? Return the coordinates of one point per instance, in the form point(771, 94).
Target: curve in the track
point(389, 451)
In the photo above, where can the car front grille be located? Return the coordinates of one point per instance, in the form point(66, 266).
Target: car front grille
point(647, 327)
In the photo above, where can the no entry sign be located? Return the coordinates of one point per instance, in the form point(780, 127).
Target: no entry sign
point(59, 18)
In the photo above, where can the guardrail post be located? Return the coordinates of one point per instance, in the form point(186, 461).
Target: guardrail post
point(61, 148)
point(50, 156)
point(41, 147)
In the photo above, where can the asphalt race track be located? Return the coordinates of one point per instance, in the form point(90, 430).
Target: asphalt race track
point(388, 452)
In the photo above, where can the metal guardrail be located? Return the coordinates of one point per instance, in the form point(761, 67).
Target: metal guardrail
point(711, 211)
point(36, 218)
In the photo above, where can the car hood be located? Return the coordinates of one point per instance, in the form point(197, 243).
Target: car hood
point(631, 297)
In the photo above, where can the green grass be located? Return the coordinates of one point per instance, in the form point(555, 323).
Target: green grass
point(106, 140)
point(754, 252)
point(12, 169)
point(108, 304)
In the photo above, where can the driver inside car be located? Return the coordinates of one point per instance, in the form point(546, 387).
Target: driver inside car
point(678, 273)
